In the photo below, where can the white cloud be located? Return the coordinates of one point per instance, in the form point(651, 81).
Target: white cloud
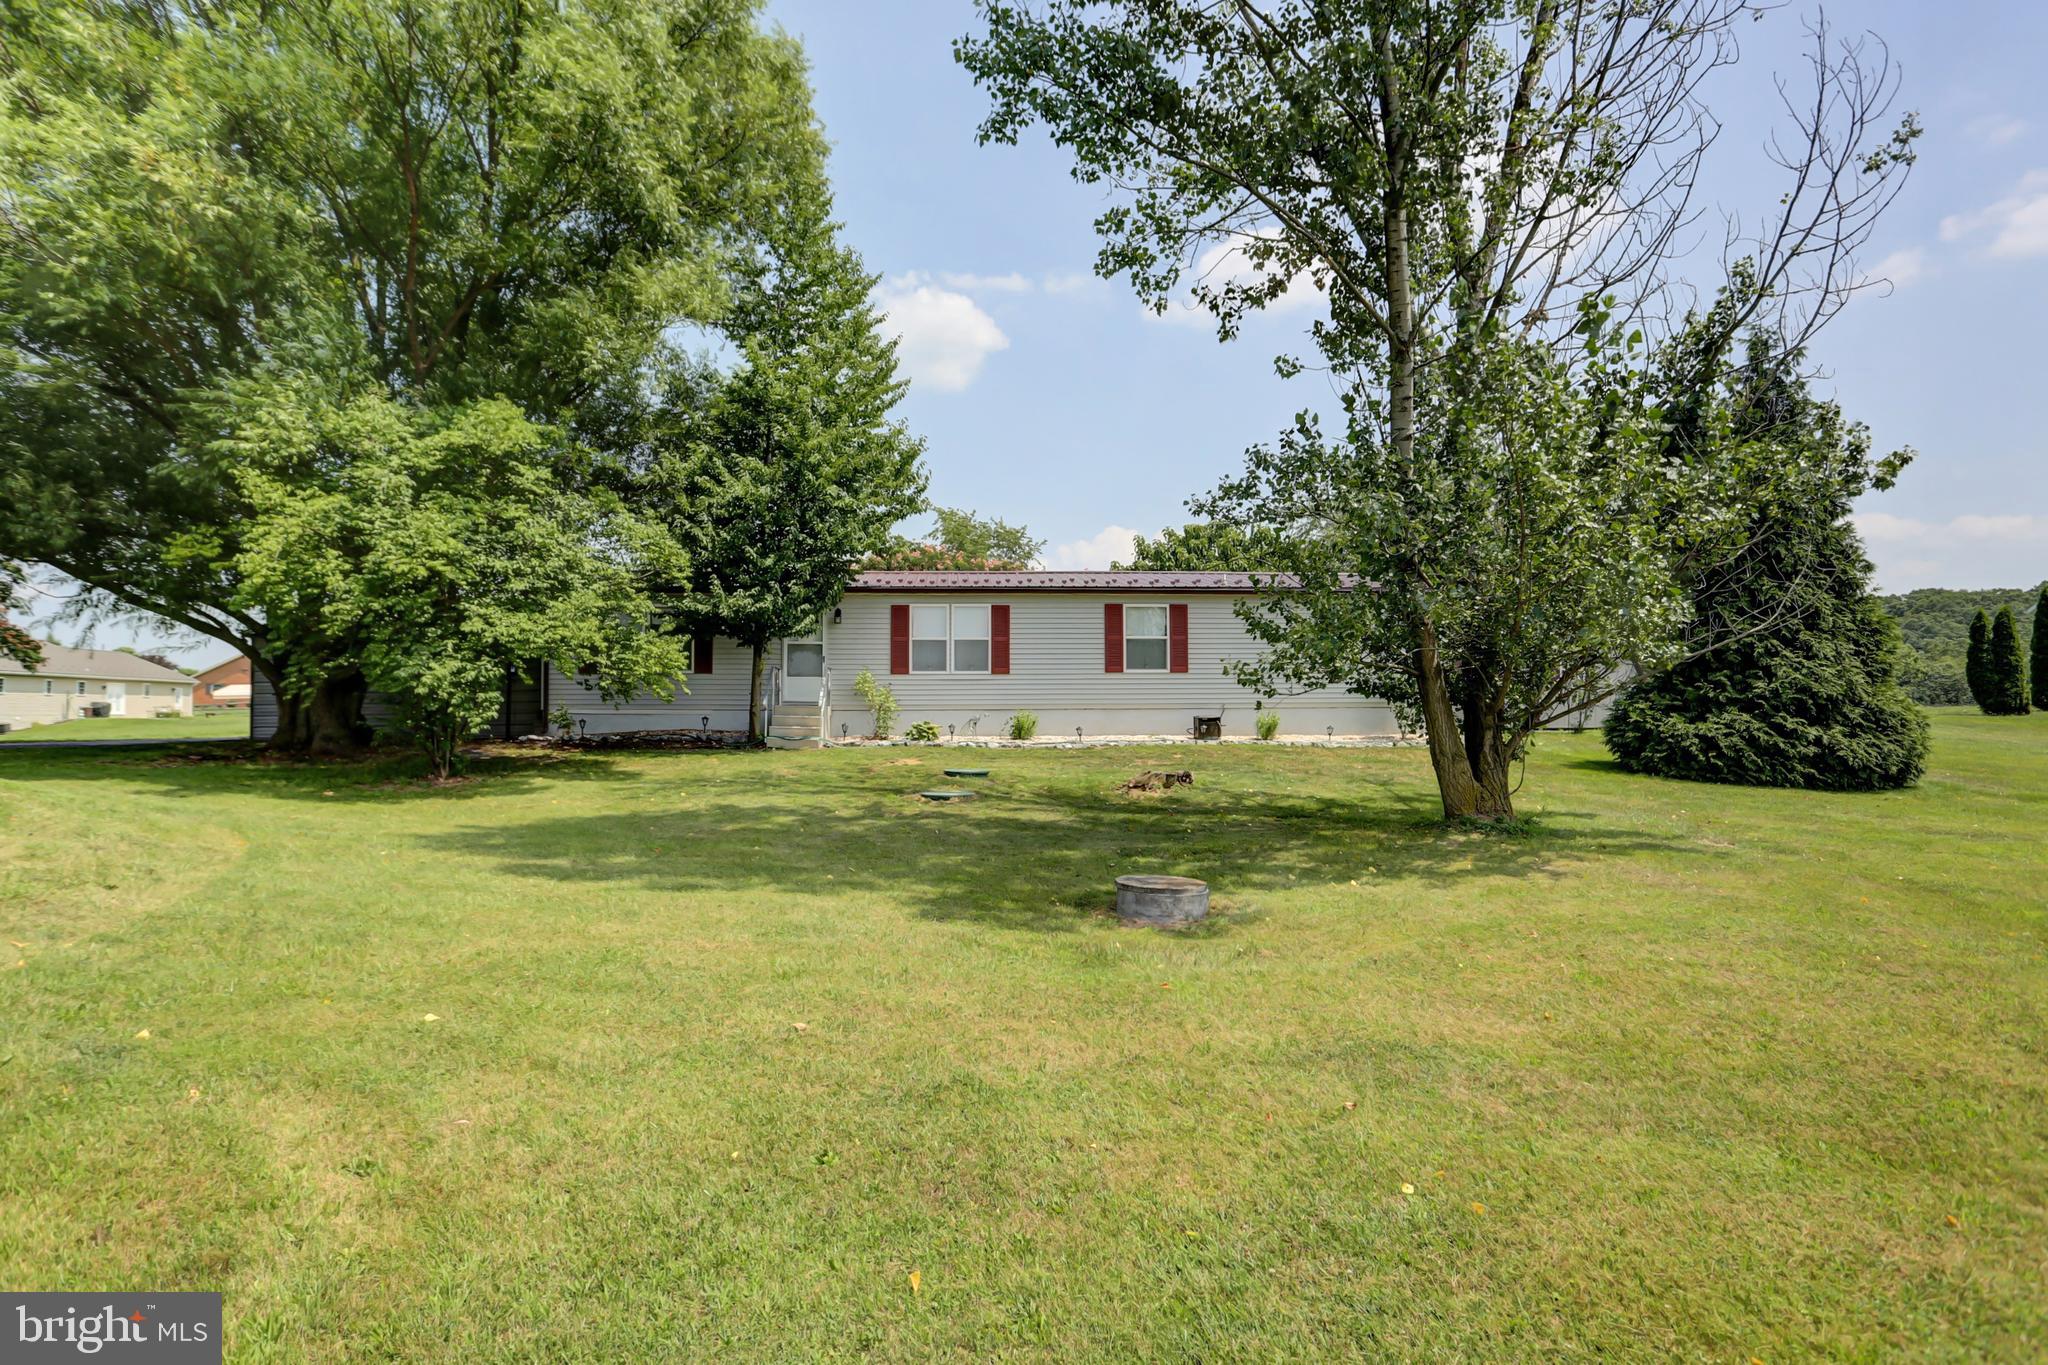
point(2017, 224)
point(946, 337)
point(1995, 130)
point(1882, 528)
point(1222, 263)
point(1900, 268)
point(1070, 282)
point(1012, 283)
point(1974, 550)
point(1107, 546)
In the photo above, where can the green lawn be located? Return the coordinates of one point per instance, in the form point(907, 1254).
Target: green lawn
point(212, 725)
point(678, 1055)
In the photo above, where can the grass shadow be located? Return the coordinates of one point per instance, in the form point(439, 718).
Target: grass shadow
point(1031, 855)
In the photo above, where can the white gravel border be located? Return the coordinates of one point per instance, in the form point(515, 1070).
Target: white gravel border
point(1133, 741)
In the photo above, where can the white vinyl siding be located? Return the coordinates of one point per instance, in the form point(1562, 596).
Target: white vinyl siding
point(721, 695)
point(1056, 671)
point(28, 701)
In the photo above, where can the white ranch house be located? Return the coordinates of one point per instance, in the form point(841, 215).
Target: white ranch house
point(1104, 653)
point(72, 684)
point(1112, 653)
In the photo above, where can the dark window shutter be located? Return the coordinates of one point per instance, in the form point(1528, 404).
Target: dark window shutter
point(1177, 638)
point(999, 638)
point(1112, 637)
point(899, 638)
point(700, 654)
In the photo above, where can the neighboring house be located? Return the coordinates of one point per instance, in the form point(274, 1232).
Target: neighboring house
point(72, 683)
point(225, 684)
point(1115, 653)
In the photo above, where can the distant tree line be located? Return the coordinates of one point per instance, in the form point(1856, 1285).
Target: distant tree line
point(1934, 628)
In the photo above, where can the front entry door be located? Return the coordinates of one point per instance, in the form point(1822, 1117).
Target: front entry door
point(117, 699)
point(803, 667)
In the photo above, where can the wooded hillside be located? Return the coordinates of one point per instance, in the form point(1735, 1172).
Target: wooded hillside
point(1935, 623)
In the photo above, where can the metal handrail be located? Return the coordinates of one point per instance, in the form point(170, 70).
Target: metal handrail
point(771, 697)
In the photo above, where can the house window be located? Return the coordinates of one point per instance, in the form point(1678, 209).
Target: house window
point(146, 690)
point(970, 639)
point(47, 687)
point(81, 689)
point(1145, 639)
point(949, 639)
point(929, 635)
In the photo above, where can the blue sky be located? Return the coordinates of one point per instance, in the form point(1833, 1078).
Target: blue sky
point(1049, 397)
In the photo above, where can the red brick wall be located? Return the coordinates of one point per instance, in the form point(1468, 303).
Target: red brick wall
point(235, 670)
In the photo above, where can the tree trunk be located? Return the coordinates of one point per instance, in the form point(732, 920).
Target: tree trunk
point(1470, 762)
point(327, 722)
point(754, 734)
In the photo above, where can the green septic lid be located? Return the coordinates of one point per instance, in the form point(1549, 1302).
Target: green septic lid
point(945, 796)
point(967, 772)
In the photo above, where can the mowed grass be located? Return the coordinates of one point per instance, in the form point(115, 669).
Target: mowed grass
point(752, 1055)
point(206, 725)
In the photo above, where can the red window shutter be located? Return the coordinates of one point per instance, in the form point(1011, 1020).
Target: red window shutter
point(899, 638)
point(700, 654)
point(1112, 637)
point(1177, 638)
point(999, 638)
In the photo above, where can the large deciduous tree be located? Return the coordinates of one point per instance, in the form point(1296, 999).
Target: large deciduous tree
point(430, 552)
point(961, 540)
point(781, 475)
point(1489, 196)
point(1796, 681)
point(437, 201)
point(1205, 545)
point(15, 643)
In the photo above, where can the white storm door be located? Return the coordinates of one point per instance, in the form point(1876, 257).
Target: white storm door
point(803, 667)
point(117, 699)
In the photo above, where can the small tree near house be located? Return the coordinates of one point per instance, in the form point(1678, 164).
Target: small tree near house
point(781, 475)
point(434, 555)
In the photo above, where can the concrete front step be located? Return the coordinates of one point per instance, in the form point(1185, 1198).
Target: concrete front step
point(796, 725)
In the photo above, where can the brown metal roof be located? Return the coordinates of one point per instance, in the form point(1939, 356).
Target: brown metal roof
point(978, 580)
